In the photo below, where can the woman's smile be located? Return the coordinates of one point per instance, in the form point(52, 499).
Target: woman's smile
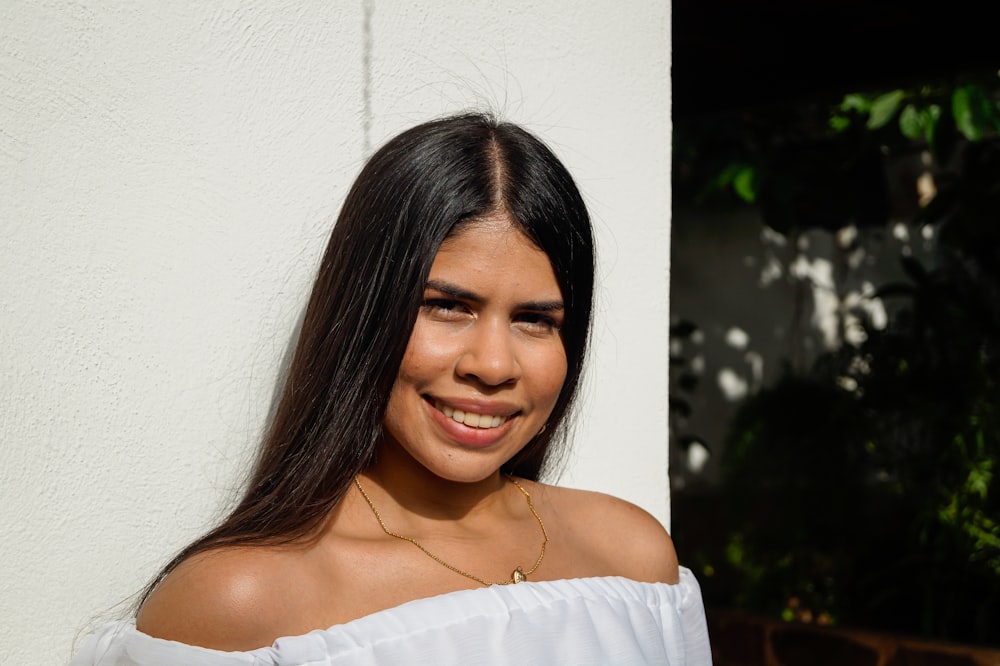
point(472, 424)
point(472, 417)
point(471, 429)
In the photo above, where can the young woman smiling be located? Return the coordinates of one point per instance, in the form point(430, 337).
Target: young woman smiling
point(395, 513)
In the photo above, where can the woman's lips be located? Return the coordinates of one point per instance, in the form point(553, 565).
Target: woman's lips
point(470, 418)
point(494, 420)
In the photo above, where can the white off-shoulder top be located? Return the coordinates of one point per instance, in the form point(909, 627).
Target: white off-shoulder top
point(577, 621)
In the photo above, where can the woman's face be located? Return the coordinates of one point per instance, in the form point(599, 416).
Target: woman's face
point(485, 362)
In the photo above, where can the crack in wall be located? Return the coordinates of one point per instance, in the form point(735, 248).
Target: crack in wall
point(367, 10)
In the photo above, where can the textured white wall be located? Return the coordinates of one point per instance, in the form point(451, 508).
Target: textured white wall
point(168, 176)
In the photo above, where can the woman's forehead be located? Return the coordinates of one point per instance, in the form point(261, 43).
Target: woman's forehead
point(500, 222)
point(495, 256)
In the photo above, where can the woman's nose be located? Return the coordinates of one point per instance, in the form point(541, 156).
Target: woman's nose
point(489, 354)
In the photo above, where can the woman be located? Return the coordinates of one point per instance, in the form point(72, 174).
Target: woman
point(395, 502)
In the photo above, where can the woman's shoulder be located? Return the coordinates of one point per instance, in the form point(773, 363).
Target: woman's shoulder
point(626, 539)
point(229, 598)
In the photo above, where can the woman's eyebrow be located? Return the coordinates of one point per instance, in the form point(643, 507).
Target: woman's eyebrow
point(543, 306)
point(453, 291)
point(466, 295)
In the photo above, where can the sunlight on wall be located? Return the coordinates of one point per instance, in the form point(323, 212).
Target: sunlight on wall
point(733, 386)
point(171, 174)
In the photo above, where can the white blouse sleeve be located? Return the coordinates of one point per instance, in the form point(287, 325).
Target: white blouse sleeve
point(578, 621)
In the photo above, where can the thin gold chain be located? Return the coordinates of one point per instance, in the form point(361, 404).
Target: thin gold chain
point(516, 577)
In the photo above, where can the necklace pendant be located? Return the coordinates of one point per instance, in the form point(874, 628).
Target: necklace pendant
point(518, 576)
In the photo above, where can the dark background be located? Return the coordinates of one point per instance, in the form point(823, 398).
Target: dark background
point(732, 54)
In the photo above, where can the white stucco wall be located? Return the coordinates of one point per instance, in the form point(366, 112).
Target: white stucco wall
point(169, 173)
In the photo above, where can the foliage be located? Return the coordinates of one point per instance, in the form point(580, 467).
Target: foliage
point(881, 499)
point(820, 163)
point(866, 492)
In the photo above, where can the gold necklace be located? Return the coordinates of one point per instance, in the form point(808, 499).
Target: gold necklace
point(517, 576)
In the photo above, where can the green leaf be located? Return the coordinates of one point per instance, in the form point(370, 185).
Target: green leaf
point(839, 123)
point(855, 102)
point(979, 479)
point(967, 108)
point(884, 108)
point(726, 176)
point(916, 124)
point(931, 116)
point(743, 184)
point(911, 123)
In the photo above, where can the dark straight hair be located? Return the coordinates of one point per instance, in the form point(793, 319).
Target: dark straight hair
point(412, 193)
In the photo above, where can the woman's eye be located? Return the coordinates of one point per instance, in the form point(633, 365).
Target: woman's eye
point(538, 322)
point(444, 307)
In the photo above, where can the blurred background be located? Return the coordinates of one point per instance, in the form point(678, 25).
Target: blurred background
point(835, 340)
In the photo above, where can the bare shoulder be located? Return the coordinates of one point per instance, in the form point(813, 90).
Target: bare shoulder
point(225, 599)
point(630, 540)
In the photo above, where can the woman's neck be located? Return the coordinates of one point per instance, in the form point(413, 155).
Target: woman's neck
point(417, 490)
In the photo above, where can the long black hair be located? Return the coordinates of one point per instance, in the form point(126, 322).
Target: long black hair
point(407, 199)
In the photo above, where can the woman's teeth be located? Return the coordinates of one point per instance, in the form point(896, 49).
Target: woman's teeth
point(471, 419)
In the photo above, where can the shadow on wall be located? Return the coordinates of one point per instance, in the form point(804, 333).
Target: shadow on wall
point(748, 304)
